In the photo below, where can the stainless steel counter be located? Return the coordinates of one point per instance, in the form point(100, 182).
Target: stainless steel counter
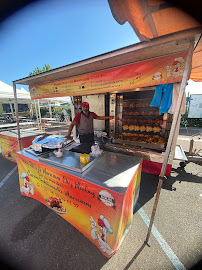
point(69, 160)
point(111, 170)
point(23, 133)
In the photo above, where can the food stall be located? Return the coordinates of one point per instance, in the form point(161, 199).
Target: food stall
point(96, 198)
point(139, 135)
point(9, 144)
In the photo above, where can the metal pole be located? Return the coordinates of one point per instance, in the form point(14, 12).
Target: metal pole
point(16, 114)
point(172, 134)
point(73, 115)
point(36, 113)
point(39, 111)
point(50, 111)
point(11, 107)
point(32, 111)
point(191, 145)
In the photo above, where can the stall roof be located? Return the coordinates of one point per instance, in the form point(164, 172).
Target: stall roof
point(151, 19)
point(157, 47)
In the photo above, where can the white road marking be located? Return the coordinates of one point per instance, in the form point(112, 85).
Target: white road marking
point(8, 175)
point(166, 248)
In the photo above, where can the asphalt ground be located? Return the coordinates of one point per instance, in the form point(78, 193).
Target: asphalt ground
point(188, 134)
point(34, 237)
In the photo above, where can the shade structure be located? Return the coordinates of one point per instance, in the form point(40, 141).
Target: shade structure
point(154, 18)
point(6, 94)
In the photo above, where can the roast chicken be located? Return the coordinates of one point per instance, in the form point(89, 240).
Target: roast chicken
point(54, 202)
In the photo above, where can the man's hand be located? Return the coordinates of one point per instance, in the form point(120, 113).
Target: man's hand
point(68, 136)
point(105, 117)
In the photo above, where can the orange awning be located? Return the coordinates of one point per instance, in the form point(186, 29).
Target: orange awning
point(153, 18)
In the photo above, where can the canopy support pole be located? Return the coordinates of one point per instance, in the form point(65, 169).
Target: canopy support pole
point(32, 111)
point(172, 134)
point(73, 115)
point(16, 114)
point(50, 111)
point(39, 111)
point(36, 113)
point(11, 107)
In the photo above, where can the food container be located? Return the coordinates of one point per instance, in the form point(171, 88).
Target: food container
point(84, 158)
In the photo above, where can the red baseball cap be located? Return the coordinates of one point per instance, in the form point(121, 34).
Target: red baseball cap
point(85, 104)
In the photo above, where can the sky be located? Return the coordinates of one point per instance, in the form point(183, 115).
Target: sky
point(59, 33)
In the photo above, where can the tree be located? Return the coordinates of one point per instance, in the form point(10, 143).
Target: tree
point(37, 70)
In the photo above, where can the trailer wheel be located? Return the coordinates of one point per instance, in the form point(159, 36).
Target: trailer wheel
point(183, 164)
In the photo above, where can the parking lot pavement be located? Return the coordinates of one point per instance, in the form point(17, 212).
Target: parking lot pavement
point(34, 237)
point(188, 134)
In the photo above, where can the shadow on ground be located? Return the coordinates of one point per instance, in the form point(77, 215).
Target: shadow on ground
point(149, 183)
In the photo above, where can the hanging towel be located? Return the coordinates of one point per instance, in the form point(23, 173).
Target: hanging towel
point(176, 90)
point(163, 97)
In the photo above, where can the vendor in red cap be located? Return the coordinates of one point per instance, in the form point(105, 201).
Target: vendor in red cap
point(84, 120)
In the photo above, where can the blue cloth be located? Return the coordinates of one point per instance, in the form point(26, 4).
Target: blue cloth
point(163, 97)
point(51, 139)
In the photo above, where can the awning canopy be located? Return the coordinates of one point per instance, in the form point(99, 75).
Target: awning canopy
point(155, 18)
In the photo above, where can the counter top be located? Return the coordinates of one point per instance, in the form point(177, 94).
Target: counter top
point(111, 170)
point(23, 133)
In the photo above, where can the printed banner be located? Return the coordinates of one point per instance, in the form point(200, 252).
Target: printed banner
point(167, 69)
point(9, 145)
point(101, 214)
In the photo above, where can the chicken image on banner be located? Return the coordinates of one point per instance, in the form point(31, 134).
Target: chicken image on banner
point(176, 70)
point(105, 197)
point(157, 76)
point(101, 236)
point(26, 182)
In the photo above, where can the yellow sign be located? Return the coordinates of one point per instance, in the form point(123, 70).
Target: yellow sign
point(162, 70)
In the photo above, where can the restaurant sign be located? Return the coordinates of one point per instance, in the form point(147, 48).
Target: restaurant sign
point(162, 70)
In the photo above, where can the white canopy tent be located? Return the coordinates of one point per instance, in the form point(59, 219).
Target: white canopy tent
point(7, 96)
point(50, 102)
point(23, 97)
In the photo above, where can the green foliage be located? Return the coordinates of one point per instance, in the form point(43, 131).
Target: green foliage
point(190, 122)
point(44, 111)
point(69, 113)
point(37, 70)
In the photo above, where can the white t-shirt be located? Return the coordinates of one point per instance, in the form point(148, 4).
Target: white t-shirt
point(64, 112)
